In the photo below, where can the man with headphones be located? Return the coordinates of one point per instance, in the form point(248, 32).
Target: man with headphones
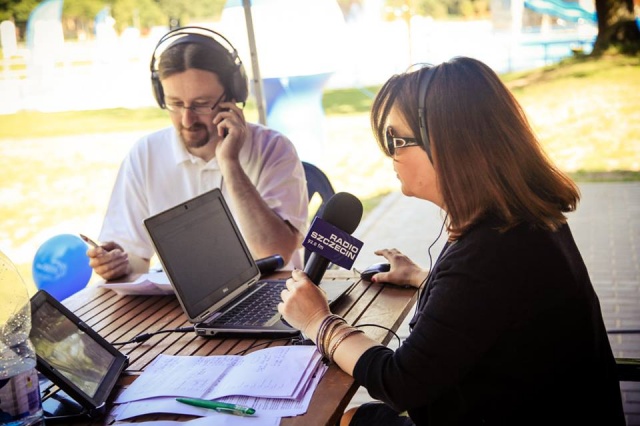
point(198, 78)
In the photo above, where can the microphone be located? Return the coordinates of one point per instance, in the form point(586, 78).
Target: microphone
point(333, 242)
point(267, 265)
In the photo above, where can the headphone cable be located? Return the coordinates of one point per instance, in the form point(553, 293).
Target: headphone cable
point(424, 281)
point(382, 327)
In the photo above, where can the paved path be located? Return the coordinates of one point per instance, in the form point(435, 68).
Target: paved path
point(606, 227)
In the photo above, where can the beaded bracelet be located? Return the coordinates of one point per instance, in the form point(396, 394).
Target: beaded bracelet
point(341, 339)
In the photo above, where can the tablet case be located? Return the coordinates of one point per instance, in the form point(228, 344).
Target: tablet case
point(72, 355)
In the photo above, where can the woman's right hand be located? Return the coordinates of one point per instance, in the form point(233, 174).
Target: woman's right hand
point(304, 305)
point(403, 270)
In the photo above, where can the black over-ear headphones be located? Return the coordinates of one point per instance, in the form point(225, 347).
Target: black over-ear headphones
point(425, 80)
point(238, 86)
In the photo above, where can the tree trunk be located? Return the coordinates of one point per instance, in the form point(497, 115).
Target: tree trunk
point(616, 27)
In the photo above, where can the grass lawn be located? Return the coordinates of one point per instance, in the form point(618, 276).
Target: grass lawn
point(58, 168)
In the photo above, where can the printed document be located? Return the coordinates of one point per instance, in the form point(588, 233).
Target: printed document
point(265, 407)
point(278, 372)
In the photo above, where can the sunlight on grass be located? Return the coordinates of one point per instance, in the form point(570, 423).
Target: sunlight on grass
point(587, 114)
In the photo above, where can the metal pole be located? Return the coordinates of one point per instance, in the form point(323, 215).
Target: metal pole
point(257, 80)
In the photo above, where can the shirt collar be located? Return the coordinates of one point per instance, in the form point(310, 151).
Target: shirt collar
point(182, 155)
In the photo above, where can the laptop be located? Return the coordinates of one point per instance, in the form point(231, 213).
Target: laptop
point(212, 271)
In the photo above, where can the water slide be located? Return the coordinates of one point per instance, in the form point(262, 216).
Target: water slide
point(561, 9)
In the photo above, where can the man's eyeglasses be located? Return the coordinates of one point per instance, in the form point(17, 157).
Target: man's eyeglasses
point(198, 108)
point(394, 142)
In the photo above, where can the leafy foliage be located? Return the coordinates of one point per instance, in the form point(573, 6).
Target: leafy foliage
point(16, 10)
point(137, 13)
point(79, 15)
point(437, 9)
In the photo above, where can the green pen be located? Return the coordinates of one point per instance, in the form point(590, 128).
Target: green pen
point(221, 407)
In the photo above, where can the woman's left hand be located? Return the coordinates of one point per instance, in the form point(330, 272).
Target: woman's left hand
point(403, 270)
point(304, 305)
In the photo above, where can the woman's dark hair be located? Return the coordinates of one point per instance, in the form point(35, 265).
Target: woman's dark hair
point(487, 158)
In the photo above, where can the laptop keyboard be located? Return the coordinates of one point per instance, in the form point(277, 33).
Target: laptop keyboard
point(258, 308)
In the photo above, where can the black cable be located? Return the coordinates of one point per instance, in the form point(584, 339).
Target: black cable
point(382, 327)
point(429, 253)
point(255, 345)
point(146, 336)
point(623, 331)
point(424, 281)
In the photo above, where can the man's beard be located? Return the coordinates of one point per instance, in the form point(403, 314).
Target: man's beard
point(187, 135)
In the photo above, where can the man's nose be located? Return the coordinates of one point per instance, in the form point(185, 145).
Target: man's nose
point(188, 117)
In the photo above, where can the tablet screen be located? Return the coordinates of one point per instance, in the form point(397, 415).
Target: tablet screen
point(71, 354)
point(69, 350)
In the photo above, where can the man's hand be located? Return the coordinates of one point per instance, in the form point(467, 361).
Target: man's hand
point(109, 260)
point(232, 128)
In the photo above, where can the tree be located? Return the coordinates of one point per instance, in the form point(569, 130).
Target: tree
point(78, 16)
point(17, 11)
point(189, 11)
point(141, 14)
point(616, 27)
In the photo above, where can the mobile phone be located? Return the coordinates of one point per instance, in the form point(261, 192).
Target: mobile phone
point(89, 241)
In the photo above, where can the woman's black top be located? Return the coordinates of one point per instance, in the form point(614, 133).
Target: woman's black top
point(508, 330)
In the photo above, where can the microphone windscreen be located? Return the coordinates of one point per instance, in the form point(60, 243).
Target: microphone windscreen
point(344, 211)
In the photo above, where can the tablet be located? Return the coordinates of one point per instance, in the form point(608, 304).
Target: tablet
point(72, 355)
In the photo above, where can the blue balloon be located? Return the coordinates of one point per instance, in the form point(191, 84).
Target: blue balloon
point(61, 266)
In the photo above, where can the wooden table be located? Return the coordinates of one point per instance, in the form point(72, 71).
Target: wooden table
point(120, 318)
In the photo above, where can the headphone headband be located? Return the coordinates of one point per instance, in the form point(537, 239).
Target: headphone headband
point(237, 80)
point(423, 88)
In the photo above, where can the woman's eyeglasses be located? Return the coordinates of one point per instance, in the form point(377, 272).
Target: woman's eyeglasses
point(394, 142)
point(197, 108)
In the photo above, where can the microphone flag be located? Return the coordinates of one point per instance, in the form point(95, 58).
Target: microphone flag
point(332, 243)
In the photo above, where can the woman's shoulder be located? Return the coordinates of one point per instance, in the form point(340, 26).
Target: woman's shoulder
point(493, 229)
point(523, 243)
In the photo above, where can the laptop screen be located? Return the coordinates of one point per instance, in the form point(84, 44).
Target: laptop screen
point(202, 252)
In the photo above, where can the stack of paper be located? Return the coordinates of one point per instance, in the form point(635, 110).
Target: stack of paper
point(276, 382)
point(153, 283)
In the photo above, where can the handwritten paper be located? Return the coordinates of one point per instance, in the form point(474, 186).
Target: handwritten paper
point(271, 373)
point(266, 408)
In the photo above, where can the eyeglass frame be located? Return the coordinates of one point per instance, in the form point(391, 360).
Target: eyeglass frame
point(395, 142)
point(204, 108)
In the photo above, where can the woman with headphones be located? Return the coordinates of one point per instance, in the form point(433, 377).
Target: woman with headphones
point(507, 329)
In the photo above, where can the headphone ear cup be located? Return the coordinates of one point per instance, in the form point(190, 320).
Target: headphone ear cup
point(158, 93)
point(240, 84)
